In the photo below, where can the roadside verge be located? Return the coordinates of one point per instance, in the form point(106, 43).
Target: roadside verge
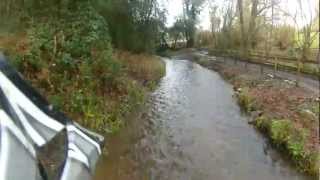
point(288, 115)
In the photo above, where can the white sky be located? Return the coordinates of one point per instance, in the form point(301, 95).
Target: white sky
point(175, 9)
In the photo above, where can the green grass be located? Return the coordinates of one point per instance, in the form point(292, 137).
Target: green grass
point(291, 141)
point(284, 135)
point(246, 100)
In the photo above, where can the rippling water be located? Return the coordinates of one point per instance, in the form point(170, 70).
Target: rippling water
point(193, 129)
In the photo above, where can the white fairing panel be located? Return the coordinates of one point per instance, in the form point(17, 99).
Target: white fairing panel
point(28, 123)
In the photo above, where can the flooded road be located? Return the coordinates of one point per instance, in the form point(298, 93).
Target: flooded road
point(192, 129)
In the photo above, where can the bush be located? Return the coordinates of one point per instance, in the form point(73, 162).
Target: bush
point(293, 140)
point(246, 100)
point(280, 131)
point(72, 63)
point(296, 142)
point(68, 57)
point(263, 123)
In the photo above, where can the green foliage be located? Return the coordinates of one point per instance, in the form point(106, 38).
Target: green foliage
point(263, 123)
point(296, 143)
point(246, 100)
point(177, 31)
point(75, 59)
point(315, 108)
point(280, 131)
point(290, 140)
point(142, 23)
point(255, 29)
point(191, 11)
point(73, 64)
point(311, 163)
point(203, 39)
point(57, 101)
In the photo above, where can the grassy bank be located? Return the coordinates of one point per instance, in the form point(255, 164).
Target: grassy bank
point(286, 114)
point(289, 117)
point(96, 94)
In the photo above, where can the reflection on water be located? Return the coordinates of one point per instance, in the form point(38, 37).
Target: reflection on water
point(192, 129)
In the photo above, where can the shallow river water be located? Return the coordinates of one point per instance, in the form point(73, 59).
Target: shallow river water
point(192, 129)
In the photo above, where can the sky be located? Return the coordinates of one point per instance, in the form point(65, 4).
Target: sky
point(175, 8)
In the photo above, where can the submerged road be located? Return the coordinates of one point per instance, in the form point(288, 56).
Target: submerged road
point(193, 129)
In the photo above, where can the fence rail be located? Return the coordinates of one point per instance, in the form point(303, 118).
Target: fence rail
point(271, 56)
point(277, 61)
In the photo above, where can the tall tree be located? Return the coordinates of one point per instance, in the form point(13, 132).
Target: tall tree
point(242, 29)
point(176, 32)
point(142, 22)
point(191, 10)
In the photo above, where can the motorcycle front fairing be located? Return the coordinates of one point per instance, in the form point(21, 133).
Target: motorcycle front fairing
point(28, 123)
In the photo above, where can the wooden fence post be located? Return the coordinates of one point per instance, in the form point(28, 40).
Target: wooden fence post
point(298, 72)
point(261, 69)
point(274, 65)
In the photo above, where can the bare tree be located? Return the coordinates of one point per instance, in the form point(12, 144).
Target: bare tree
point(215, 21)
point(306, 35)
point(242, 29)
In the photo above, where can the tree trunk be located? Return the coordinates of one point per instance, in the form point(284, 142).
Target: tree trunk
point(252, 23)
point(243, 39)
point(190, 42)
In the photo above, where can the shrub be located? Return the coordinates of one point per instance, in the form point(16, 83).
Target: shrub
point(77, 59)
point(263, 123)
point(293, 140)
point(280, 131)
point(296, 143)
point(246, 100)
point(69, 58)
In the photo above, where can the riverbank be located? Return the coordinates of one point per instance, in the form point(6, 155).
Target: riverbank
point(75, 66)
point(288, 115)
point(91, 82)
point(98, 97)
point(105, 109)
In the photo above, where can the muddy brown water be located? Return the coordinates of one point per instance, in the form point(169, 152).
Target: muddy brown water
point(192, 129)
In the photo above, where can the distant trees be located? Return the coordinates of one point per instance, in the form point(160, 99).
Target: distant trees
point(215, 21)
point(228, 15)
point(134, 25)
point(284, 36)
point(203, 38)
point(242, 29)
point(263, 24)
point(176, 32)
point(191, 9)
point(185, 25)
point(307, 34)
point(139, 25)
point(251, 23)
